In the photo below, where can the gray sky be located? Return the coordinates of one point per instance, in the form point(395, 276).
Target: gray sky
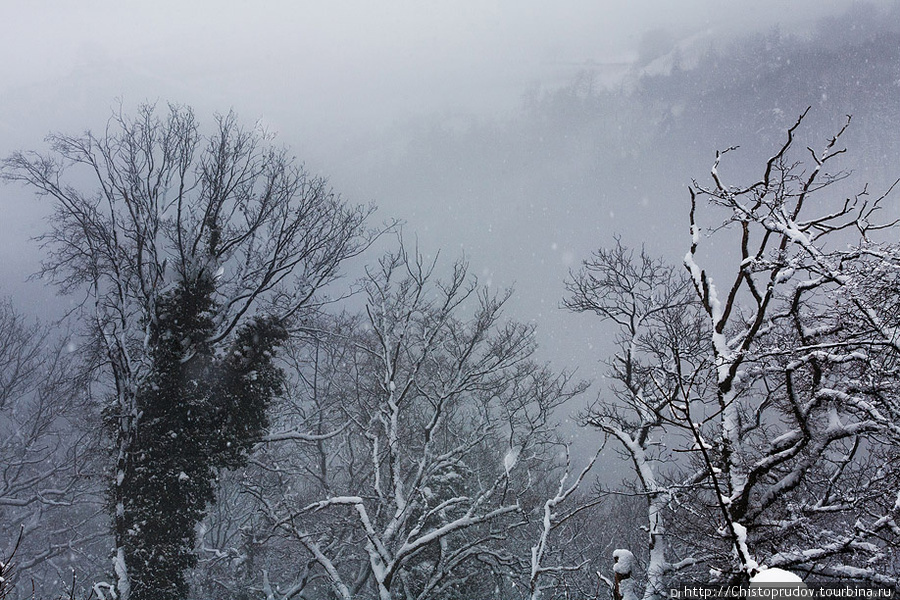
point(327, 74)
point(333, 64)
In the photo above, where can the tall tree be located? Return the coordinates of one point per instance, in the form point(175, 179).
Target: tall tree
point(756, 398)
point(192, 252)
point(199, 413)
point(417, 455)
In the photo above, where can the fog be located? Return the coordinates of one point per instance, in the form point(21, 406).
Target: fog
point(347, 66)
point(416, 107)
point(519, 137)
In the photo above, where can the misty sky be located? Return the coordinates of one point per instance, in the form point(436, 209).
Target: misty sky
point(336, 64)
point(325, 75)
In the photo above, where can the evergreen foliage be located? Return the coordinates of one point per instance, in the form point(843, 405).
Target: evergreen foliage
point(199, 413)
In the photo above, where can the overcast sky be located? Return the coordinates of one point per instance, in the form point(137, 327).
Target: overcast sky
point(322, 75)
point(330, 63)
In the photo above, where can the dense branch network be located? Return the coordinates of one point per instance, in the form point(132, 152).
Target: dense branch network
point(760, 398)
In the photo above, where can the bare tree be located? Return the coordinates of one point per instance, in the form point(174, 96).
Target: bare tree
point(810, 345)
point(760, 414)
point(47, 463)
point(563, 546)
point(417, 449)
point(226, 220)
point(661, 360)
